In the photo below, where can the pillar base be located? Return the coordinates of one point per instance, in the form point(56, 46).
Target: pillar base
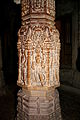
point(34, 106)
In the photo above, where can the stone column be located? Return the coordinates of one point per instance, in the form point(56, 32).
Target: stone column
point(39, 51)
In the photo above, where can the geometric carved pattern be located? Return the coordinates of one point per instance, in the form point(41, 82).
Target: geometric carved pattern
point(37, 107)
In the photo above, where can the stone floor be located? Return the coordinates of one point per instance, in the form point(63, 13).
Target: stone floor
point(8, 103)
point(70, 104)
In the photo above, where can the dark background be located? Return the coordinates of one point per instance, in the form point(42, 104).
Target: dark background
point(10, 22)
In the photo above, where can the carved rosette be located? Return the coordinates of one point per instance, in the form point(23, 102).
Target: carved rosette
point(38, 45)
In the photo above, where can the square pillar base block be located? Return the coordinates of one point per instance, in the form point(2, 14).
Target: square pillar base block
point(38, 105)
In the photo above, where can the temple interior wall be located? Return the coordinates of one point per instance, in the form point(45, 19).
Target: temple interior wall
point(70, 75)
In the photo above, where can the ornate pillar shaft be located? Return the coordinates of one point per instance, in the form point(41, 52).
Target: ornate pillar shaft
point(39, 50)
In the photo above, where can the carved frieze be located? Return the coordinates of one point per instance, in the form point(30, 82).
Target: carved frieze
point(39, 56)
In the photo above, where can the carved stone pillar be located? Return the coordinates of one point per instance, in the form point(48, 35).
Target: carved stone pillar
point(39, 51)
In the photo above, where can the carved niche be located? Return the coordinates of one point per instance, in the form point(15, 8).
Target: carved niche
point(39, 56)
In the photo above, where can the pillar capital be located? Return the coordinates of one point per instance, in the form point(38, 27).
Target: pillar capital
point(38, 11)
